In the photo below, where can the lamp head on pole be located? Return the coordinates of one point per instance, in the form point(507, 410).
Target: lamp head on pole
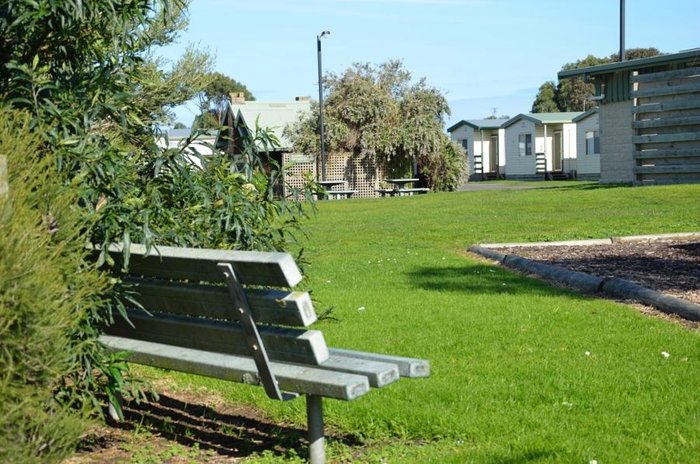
point(324, 34)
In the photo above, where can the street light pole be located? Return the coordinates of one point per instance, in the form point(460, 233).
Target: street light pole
point(320, 105)
point(622, 30)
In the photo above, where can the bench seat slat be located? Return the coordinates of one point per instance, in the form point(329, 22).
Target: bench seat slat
point(282, 344)
point(268, 306)
point(379, 373)
point(199, 264)
point(408, 367)
point(290, 377)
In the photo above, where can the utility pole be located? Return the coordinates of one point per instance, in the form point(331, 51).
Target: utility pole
point(622, 30)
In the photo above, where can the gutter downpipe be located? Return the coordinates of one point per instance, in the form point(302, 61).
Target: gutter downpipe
point(597, 98)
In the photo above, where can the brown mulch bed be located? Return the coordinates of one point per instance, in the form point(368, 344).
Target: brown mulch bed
point(670, 265)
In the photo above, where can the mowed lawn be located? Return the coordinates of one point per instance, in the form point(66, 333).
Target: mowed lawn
point(521, 371)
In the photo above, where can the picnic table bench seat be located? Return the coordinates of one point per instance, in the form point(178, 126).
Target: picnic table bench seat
point(402, 192)
point(234, 315)
point(414, 190)
point(337, 194)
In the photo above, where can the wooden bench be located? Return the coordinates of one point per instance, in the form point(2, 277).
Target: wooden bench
point(233, 315)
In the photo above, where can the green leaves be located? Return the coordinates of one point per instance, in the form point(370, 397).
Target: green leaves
point(93, 98)
point(377, 112)
point(46, 294)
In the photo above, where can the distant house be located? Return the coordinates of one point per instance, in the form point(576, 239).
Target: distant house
point(540, 145)
point(649, 118)
point(241, 118)
point(587, 145)
point(198, 146)
point(483, 140)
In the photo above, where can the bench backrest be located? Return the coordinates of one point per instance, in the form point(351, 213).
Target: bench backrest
point(188, 302)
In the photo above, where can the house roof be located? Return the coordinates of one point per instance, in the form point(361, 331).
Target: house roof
point(479, 124)
point(608, 68)
point(174, 134)
point(545, 118)
point(175, 138)
point(273, 115)
point(585, 115)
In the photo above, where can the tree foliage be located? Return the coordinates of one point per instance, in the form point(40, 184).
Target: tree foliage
point(215, 97)
point(45, 290)
point(571, 94)
point(84, 73)
point(636, 53)
point(379, 113)
point(545, 102)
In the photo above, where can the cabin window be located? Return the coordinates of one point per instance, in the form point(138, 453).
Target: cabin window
point(592, 142)
point(525, 144)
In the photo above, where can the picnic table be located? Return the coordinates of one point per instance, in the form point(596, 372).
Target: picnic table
point(399, 187)
point(401, 183)
point(330, 194)
point(329, 184)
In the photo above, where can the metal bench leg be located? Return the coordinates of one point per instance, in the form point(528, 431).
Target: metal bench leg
point(314, 417)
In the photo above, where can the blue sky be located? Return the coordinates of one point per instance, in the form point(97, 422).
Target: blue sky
point(482, 54)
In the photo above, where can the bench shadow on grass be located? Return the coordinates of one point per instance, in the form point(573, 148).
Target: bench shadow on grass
point(483, 279)
point(223, 433)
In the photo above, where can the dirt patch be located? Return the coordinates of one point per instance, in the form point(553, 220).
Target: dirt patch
point(185, 426)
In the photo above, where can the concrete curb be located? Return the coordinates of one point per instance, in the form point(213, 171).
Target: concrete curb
point(615, 287)
point(578, 280)
point(595, 241)
point(487, 253)
point(621, 288)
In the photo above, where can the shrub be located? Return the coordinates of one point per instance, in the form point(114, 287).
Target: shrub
point(378, 114)
point(86, 76)
point(447, 171)
point(45, 291)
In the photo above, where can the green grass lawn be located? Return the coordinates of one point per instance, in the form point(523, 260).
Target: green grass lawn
point(521, 371)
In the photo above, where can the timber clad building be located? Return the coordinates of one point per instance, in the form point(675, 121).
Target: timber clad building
point(482, 139)
point(649, 118)
point(531, 146)
point(541, 144)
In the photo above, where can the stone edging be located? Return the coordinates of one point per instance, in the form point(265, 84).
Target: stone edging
point(598, 241)
point(615, 287)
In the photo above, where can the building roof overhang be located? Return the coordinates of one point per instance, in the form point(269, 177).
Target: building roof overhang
point(609, 68)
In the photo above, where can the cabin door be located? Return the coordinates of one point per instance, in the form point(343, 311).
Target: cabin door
point(493, 154)
point(557, 151)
